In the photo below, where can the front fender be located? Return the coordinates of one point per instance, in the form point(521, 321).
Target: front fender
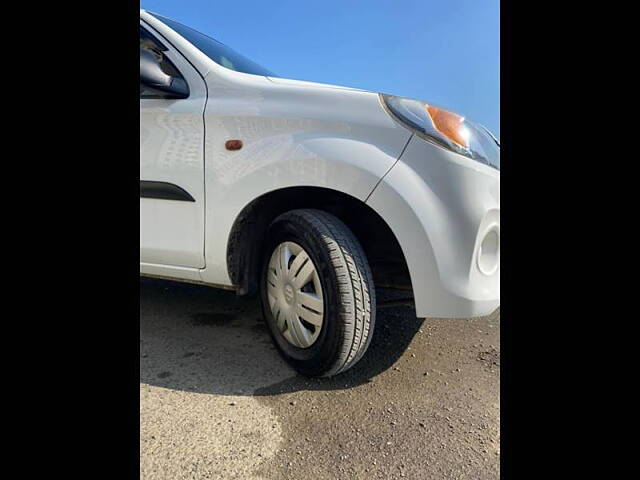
point(338, 162)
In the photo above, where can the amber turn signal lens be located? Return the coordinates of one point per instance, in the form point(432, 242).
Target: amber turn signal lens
point(449, 124)
point(233, 144)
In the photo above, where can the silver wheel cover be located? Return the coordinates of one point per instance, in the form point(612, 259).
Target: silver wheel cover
point(295, 294)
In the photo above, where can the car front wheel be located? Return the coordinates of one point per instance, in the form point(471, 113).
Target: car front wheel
point(317, 292)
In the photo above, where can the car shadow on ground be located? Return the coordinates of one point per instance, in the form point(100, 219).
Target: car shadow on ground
point(199, 339)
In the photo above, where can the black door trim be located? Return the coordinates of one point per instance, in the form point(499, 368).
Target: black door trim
point(164, 191)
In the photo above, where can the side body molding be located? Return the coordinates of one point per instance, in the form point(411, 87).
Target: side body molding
point(164, 191)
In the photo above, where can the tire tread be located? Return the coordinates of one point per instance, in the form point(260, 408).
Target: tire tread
point(357, 295)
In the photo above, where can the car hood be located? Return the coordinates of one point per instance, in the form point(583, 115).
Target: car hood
point(302, 83)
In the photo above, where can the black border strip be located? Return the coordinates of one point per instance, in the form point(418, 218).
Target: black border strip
point(164, 191)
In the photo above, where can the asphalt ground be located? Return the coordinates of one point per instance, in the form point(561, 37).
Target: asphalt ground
point(217, 401)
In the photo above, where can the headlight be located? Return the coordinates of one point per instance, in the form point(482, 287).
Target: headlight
point(444, 128)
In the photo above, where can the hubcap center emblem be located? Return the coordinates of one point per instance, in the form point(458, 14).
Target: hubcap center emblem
point(288, 294)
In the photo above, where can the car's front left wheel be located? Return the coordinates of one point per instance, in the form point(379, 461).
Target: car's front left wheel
point(317, 291)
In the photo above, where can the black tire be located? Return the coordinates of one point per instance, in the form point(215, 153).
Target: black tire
point(347, 283)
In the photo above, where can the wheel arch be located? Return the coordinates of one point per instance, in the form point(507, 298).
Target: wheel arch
point(245, 242)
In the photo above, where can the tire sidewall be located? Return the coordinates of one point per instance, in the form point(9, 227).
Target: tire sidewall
point(319, 357)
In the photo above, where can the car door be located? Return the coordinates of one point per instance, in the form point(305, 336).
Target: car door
point(172, 195)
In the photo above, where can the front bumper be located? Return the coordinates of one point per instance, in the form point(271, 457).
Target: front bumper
point(444, 210)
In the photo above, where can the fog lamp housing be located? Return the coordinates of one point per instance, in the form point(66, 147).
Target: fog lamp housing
point(489, 252)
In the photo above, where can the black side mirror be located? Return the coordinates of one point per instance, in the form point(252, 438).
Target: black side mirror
point(152, 76)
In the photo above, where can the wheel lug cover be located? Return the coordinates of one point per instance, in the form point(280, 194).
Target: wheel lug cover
point(295, 294)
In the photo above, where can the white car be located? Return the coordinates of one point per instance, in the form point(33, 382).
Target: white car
point(310, 195)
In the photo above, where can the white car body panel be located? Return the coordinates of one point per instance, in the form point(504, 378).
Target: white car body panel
point(170, 271)
point(440, 205)
point(303, 83)
point(172, 150)
point(437, 203)
point(293, 136)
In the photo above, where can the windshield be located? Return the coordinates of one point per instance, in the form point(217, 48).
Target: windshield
point(216, 51)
